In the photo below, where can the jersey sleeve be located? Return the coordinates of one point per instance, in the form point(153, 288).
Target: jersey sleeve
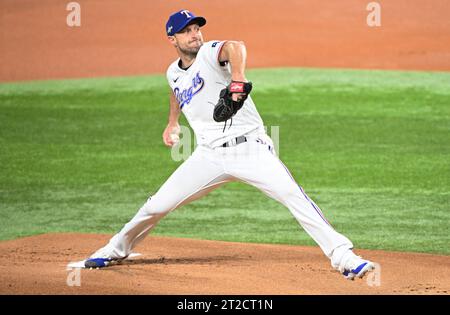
point(211, 53)
point(169, 76)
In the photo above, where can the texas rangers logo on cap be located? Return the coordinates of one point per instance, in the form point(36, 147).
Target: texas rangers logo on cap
point(180, 20)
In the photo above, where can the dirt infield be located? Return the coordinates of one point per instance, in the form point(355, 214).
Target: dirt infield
point(127, 37)
point(37, 265)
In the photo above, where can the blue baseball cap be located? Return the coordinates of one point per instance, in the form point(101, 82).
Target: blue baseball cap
point(180, 20)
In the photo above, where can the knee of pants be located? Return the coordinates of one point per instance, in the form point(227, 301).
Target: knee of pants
point(156, 206)
point(287, 192)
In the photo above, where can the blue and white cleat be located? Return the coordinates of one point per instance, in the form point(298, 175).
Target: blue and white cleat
point(102, 258)
point(97, 262)
point(356, 267)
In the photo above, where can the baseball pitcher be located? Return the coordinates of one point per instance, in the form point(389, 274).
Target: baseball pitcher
point(209, 86)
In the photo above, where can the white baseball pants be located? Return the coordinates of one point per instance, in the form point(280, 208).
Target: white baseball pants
point(253, 162)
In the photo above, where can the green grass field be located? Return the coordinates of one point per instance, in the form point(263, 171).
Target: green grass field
point(372, 148)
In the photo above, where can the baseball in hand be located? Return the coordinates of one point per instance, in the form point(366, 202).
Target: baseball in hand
point(175, 138)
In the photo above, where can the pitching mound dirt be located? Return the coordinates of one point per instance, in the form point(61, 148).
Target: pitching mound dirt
point(37, 265)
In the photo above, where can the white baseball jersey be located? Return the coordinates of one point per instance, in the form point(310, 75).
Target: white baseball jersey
point(197, 91)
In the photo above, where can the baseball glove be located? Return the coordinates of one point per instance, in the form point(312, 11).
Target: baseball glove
point(226, 108)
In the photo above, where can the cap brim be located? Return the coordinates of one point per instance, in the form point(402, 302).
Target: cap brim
point(197, 20)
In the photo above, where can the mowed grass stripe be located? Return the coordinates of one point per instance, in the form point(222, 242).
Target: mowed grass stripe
point(370, 147)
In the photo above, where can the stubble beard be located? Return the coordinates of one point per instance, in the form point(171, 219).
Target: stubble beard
point(192, 51)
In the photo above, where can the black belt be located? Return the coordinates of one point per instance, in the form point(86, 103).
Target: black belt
point(235, 141)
